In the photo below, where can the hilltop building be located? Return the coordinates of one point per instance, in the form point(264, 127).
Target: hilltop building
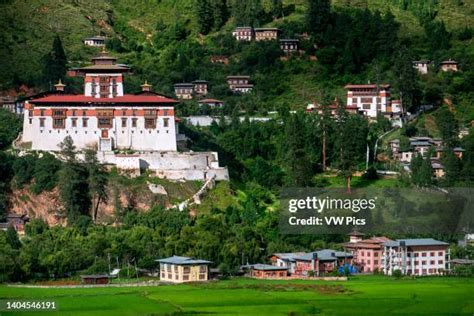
point(449, 65)
point(95, 41)
point(421, 66)
point(178, 269)
point(371, 99)
point(200, 87)
point(266, 33)
point(8, 103)
point(184, 91)
point(289, 45)
point(219, 59)
point(243, 33)
point(239, 84)
point(416, 256)
point(110, 121)
point(212, 103)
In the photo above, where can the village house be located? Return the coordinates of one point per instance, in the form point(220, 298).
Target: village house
point(212, 103)
point(8, 103)
point(421, 66)
point(438, 168)
point(286, 260)
point(289, 45)
point(239, 84)
point(266, 33)
point(184, 91)
point(371, 99)
point(321, 262)
point(95, 41)
point(265, 271)
point(425, 256)
point(406, 156)
point(219, 59)
point(16, 221)
point(449, 65)
point(243, 33)
point(332, 109)
point(395, 147)
point(178, 269)
point(200, 87)
point(367, 253)
point(109, 120)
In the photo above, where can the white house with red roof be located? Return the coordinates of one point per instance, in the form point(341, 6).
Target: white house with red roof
point(108, 120)
point(103, 117)
point(370, 99)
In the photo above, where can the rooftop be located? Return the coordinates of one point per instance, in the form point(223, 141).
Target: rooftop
point(415, 242)
point(366, 86)
point(79, 98)
point(182, 260)
point(324, 255)
point(265, 267)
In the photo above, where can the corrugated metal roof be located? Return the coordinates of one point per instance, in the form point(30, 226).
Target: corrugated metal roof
point(416, 242)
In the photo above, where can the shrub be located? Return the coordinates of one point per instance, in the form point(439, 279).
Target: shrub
point(397, 274)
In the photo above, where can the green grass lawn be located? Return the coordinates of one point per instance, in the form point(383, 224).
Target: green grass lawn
point(361, 295)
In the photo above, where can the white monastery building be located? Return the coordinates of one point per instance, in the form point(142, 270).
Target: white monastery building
point(370, 99)
point(108, 120)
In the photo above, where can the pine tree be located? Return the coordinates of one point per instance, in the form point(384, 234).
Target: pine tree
point(55, 63)
point(97, 181)
point(73, 183)
point(221, 13)
point(318, 16)
point(205, 16)
point(448, 127)
point(406, 76)
point(277, 8)
point(452, 168)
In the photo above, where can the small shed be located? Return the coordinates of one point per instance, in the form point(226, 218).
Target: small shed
point(95, 279)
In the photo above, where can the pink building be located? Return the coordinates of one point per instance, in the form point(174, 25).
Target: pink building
point(321, 262)
point(367, 252)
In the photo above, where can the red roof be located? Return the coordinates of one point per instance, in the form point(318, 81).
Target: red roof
point(211, 101)
point(365, 86)
point(127, 98)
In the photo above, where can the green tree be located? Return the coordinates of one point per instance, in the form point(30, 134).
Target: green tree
point(55, 63)
point(97, 181)
point(452, 167)
point(205, 17)
point(295, 157)
point(448, 127)
point(12, 238)
point(318, 16)
point(276, 8)
point(221, 13)
point(73, 183)
point(406, 78)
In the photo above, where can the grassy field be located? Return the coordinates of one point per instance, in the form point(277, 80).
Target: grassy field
point(362, 295)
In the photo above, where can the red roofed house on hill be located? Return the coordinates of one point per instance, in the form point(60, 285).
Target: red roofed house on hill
point(107, 119)
point(103, 117)
point(371, 99)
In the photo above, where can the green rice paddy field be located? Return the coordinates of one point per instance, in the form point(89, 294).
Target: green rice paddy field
point(361, 295)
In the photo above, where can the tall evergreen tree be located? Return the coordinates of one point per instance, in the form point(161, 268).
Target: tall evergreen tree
point(205, 15)
point(97, 181)
point(318, 16)
point(221, 13)
point(406, 79)
point(55, 63)
point(294, 155)
point(277, 8)
point(448, 127)
point(73, 183)
point(452, 168)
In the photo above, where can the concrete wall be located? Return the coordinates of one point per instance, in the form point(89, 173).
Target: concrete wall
point(170, 165)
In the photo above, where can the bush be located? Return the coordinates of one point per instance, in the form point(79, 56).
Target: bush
point(397, 274)
point(370, 174)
